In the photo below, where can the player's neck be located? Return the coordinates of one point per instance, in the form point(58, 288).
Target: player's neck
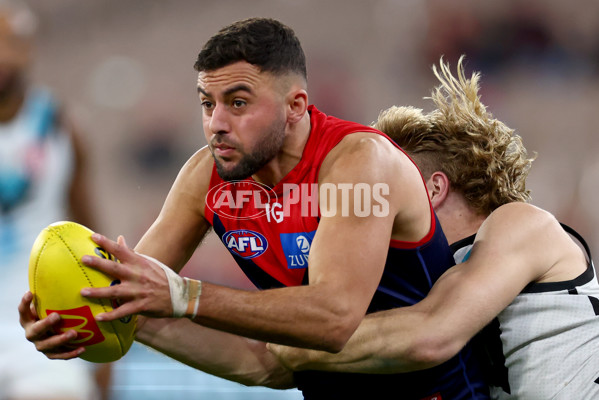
point(458, 219)
point(289, 155)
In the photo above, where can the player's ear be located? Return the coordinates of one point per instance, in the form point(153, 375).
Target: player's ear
point(297, 104)
point(438, 188)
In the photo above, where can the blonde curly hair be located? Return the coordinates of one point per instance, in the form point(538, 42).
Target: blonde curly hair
point(483, 158)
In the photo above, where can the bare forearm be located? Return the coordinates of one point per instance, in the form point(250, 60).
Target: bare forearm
point(409, 338)
point(382, 344)
point(218, 353)
point(298, 316)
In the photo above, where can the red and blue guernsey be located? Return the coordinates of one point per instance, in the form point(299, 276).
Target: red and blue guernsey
point(269, 233)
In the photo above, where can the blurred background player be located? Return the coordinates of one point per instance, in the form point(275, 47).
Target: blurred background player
point(41, 181)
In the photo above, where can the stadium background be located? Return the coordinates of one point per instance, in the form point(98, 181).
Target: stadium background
point(124, 69)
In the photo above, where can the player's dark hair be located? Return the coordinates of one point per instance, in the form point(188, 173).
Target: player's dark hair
point(263, 42)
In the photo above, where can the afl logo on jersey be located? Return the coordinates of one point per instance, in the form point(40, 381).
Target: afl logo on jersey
point(240, 200)
point(244, 243)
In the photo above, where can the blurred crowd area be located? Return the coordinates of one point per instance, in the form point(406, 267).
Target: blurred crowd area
point(124, 69)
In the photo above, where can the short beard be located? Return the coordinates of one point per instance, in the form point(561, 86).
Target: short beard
point(264, 151)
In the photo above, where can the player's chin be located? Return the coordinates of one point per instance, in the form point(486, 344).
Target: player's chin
point(229, 171)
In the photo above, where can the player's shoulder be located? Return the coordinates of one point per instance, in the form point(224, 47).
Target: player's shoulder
point(365, 141)
point(198, 168)
point(200, 159)
point(520, 213)
point(524, 239)
point(361, 148)
point(522, 223)
point(363, 156)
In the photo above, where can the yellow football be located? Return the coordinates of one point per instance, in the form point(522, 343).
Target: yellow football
point(56, 276)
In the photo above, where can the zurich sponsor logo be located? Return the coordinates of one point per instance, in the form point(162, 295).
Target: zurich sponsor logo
point(244, 243)
point(296, 247)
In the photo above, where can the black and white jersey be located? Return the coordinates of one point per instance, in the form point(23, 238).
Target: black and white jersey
point(549, 338)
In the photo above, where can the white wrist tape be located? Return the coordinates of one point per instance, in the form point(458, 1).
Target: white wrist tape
point(185, 292)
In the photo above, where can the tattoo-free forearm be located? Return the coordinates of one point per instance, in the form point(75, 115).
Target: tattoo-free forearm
point(382, 344)
point(218, 353)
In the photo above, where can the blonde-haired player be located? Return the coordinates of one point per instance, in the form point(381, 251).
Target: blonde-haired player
point(523, 267)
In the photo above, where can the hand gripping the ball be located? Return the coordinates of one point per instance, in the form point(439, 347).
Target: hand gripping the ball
point(41, 332)
point(146, 287)
point(56, 276)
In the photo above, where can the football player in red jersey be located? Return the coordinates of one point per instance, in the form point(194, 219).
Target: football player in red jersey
point(362, 255)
